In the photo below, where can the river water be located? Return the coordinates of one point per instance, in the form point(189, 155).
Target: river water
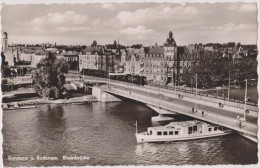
point(104, 134)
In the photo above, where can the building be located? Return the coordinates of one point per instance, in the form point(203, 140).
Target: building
point(36, 58)
point(159, 63)
point(73, 60)
point(99, 61)
point(131, 60)
point(5, 42)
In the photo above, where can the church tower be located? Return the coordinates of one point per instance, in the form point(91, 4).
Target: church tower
point(5, 42)
point(170, 57)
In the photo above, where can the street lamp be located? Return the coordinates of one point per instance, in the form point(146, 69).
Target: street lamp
point(228, 86)
point(245, 101)
point(196, 89)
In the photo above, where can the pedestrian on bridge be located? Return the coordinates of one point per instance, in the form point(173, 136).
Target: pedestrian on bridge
point(238, 123)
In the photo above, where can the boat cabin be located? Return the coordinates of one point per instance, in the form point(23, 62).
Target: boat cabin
point(184, 128)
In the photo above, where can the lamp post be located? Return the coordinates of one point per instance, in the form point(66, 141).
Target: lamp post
point(175, 83)
point(228, 86)
point(191, 86)
point(245, 101)
point(196, 89)
point(223, 94)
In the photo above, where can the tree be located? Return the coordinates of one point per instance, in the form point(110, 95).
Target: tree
point(94, 44)
point(3, 58)
point(115, 44)
point(49, 78)
point(6, 71)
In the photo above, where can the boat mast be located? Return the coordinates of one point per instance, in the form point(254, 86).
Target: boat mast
point(245, 101)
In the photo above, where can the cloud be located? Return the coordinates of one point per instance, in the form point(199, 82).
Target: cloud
point(108, 6)
point(144, 23)
point(234, 27)
point(138, 30)
point(68, 18)
point(156, 14)
point(245, 7)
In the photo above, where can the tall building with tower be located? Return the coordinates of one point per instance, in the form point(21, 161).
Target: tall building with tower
point(5, 42)
point(159, 63)
point(9, 56)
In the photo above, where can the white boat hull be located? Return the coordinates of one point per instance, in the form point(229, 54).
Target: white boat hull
point(160, 118)
point(143, 137)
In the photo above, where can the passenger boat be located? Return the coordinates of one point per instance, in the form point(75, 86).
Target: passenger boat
point(179, 131)
point(161, 117)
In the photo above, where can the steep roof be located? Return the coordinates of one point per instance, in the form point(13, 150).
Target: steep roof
point(156, 50)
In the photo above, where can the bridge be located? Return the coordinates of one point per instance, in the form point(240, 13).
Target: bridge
point(167, 101)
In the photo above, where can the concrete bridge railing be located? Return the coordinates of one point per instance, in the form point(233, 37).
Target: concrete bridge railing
point(210, 98)
point(229, 122)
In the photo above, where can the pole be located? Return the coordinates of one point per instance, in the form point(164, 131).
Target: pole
point(132, 78)
point(175, 84)
point(196, 89)
point(245, 101)
point(191, 87)
point(136, 126)
point(78, 70)
point(228, 86)
point(223, 94)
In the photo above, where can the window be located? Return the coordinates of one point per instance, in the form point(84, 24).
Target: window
point(220, 128)
point(165, 133)
point(210, 129)
point(170, 132)
point(194, 128)
point(215, 128)
point(159, 133)
point(151, 132)
point(176, 132)
point(190, 130)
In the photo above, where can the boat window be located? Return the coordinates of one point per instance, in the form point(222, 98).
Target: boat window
point(176, 132)
point(194, 128)
point(221, 128)
point(210, 129)
point(151, 132)
point(190, 130)
point(159, 133)
point(165, 133)
point(171, 133)
point(215, 128)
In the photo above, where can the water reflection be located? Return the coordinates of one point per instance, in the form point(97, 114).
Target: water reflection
point(51, 131)
point(105, 132)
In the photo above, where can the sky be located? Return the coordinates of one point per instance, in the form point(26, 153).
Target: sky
point(131, 23)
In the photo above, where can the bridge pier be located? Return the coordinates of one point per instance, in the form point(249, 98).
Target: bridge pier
point(103, 96)
point(160, 111)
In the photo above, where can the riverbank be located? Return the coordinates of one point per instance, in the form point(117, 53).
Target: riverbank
point(81, 99)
